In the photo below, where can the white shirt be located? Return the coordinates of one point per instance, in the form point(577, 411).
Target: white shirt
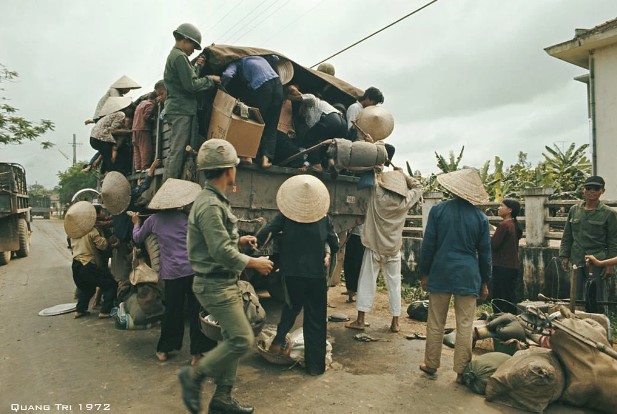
point(313, 108)
point(352, 113)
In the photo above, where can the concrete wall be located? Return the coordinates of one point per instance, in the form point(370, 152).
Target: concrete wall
point(605, 79)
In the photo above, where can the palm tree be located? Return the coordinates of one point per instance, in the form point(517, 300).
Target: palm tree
point(566, 171)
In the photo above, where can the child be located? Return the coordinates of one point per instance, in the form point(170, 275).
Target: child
point(142, 133)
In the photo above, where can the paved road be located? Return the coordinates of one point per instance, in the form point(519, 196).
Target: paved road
point(57, 360)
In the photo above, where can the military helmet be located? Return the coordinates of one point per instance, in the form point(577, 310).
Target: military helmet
point(190, 32)
point(215, 154)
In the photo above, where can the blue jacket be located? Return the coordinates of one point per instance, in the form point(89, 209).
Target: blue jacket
point(456, 250)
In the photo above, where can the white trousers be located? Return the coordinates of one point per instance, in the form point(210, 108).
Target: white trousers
point(390, 266)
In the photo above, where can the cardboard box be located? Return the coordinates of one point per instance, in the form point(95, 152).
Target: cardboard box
point(227, 123)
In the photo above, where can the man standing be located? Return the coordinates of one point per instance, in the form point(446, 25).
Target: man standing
point(591, 229)
point(182, 86)
point(391, 198)
point(455, 261)
point(214, 252)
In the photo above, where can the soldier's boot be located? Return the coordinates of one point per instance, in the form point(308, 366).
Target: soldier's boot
point(223, 402)
point(191, 389)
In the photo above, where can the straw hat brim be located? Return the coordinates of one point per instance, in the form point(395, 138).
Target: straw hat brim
point(303, 199)
point(466, 184)
point(394, 181)
point(174, 193)
point(285, 70)
point(376, 121)
point(115, 192)
point(114, 104)
point(125, 83)
point(79, 219)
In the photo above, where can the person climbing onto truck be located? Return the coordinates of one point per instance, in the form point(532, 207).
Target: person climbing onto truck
point(372, 96)
point(265, 92)
point(183, 85)
point(214, 244)
point(119, 88)
point(307, 242)
point(143, 152)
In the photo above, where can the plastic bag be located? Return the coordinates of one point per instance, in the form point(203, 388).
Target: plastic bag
point(418, 310)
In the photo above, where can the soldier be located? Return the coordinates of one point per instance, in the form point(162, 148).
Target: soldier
point(214, 252)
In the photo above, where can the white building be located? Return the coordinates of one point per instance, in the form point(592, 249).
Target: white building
point(596, 50)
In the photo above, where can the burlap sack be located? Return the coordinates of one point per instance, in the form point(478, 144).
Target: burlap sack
point(530, 380)
point(592, 375)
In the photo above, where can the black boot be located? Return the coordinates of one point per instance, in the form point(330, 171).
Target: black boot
point(223, 402)
point(191, 390)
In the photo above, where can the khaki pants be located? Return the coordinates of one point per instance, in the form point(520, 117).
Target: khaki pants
point(464, 308)
point(223, 300)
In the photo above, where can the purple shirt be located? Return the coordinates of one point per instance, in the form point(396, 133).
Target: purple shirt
point(170, 228)
point(254, 69)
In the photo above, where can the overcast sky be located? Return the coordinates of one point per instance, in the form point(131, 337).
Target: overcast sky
point(461, 72)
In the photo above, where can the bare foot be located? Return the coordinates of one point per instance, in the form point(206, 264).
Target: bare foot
point(246, 160)
point(265, 162)
point(194, 359)
point(161, 356)
point(394, 326)
point(317, 167)
point(303, 168)
point(357, 325)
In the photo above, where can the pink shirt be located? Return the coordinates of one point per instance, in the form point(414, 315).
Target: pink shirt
point(142, 113)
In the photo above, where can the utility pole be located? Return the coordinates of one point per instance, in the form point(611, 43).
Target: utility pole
point(74, 144)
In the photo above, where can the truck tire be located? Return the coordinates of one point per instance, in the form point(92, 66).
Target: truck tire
point(5, 257)
point(24, 238)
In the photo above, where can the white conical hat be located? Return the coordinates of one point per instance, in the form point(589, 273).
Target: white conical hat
point(285, 70)
point(79, 219)
point(466, 184)
point(174, 193)
point(376, 121)
point(303, 198)
point(125, 83)
point(114, 104)
point(115, 192)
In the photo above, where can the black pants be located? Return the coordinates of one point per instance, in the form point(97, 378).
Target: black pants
point(310, 294)
point(504, 288)
point(172, 327)
point(87, 278)
point(105, 148)
point(269, 99)
point(329, 126)
point(354, 251)
point(285, 148)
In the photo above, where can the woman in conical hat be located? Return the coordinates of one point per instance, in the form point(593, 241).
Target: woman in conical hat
point(308, 241)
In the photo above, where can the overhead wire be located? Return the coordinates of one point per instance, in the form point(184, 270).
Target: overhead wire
point(241, 20)
point(293, 21)
point(374, 33)
point(226, 14)
point(248, 23)
point(260, 23)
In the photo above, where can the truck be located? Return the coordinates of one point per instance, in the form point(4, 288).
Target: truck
point(40, 205)
point(15, 215)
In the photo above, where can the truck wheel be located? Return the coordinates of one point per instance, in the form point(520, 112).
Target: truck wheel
point(5, 257)
point(24, 238)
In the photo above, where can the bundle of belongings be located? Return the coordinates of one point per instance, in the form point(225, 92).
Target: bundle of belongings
point(574, 364)
point(292, 351)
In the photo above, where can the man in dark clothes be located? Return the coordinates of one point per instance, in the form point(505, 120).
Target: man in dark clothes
point(308, 240)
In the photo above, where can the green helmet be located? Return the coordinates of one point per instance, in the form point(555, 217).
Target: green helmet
point(190, 32)
point(215, 154)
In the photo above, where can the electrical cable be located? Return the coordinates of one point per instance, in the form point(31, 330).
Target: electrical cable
point(374, 33)
point(247, 25)
point(260, 23)
point(293, 21)
point(241, 20)
point(225, 16)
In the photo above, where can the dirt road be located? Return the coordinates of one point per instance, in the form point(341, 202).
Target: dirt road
point(47, 362)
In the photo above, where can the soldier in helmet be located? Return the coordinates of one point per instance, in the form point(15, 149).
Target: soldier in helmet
point(214, 245)
point(183, 84)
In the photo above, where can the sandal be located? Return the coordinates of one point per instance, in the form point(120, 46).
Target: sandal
point(355, 325)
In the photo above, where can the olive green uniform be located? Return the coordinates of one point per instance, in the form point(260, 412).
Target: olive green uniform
point(216, 259)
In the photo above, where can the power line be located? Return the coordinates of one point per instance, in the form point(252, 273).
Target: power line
point(242, 19)
point(292, 22)
point(374, 33)
point(248, 23)
point(242, 35)
point(226, 14)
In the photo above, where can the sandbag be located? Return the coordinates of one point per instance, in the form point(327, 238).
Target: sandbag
point(418, 310)
point(479, 370)
point(358, 155)
point(529, 380)
point(592, 375)
point(506, 326)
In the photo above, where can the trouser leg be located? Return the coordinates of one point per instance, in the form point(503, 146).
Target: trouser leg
point(295, 290)
point(105, 148)
point(200, 343)
point(392, 275)
point(222, 298)
point(85, 285)
point(109, 289)
point(437, 314)
point(367, 283)
point(314, 325)
point(136, 153)
point(464, 308)
point(180, 136)
point(354, 252)
point(172, 326)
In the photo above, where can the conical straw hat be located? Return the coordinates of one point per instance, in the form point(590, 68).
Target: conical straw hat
point(114, 104)
point(79, 219)
point(125, 83)
point(394, 181)
point(115, 192)
point(285, 70)
point(466, 184)
point(174, 193)
point(376, 121)
point(303, 198)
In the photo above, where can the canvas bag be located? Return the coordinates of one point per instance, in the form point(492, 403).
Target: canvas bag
point(255, 313)
point(592, 375)
point(142, 273)
point(480, 369)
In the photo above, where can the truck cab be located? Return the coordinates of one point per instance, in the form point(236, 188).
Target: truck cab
point(14, 212)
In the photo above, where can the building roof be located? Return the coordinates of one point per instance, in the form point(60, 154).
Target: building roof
point(576, 51)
